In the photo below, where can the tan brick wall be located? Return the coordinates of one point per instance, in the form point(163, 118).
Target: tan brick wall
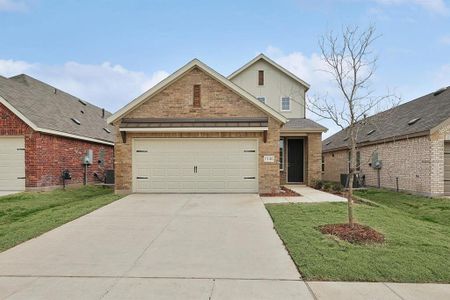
point(175, 101)
point(437, 140)
point(336, 163)
point(314, 157)
point(417, 162)
point(407, 159)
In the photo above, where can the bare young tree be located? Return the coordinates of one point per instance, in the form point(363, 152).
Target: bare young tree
point(350, 61)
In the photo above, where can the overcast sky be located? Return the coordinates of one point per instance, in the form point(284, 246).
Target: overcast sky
point(108, 52)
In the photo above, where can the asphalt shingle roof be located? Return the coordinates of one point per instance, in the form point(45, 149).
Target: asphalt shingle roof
point(50, 108)
point(430, 110)
point(302, 123)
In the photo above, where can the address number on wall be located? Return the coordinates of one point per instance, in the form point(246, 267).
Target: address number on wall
point(269, 158)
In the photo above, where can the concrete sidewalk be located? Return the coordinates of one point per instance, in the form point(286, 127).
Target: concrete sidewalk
point(327, 290)
point(308, 195)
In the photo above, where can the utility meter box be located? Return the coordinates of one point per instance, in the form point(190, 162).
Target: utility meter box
point(87, 160)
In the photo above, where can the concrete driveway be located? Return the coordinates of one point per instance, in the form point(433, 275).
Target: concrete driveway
point(158, 247)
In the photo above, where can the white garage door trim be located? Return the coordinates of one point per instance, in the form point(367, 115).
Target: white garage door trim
point(248, 181)
point(12, 163)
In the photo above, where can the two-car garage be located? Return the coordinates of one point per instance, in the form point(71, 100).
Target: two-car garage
point(12, 164)
point(200, 165)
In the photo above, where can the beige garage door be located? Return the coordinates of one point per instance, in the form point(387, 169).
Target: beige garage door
point(447, 168)
point(12, 164)
point(195, 166)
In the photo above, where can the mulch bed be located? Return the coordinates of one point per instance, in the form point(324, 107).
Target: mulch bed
point(359, 234)
point(284, 192)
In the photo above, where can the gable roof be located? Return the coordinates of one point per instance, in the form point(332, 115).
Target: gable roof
point(415, 118)
point(272, 63)
point(180, 72)
point(49, 110)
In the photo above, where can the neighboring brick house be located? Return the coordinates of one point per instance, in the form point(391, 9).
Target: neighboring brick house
point(197, 131)
point(44, 131)
point(412, 142)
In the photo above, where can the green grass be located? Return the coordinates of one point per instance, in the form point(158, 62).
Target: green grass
point(27, 215)
point(417, 246)
point(419, 207)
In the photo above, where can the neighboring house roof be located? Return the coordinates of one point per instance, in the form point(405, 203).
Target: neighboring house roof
point(414, 118)
point(195, 63)
point(49, 110)
point(303, 124)
point(274, 64)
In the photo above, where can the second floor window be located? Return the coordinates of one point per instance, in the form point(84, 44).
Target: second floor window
point(261, 99)
point(260, 77)
point(285, 104)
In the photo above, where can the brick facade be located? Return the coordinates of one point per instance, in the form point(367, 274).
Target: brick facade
point(314, 169)
point(217, 101)
point(417, 162)
point(46, 156)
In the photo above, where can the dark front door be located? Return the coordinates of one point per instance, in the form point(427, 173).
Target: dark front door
point(295, 160)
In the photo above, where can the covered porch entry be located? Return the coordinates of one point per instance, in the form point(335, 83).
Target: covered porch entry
point(292, 158)
point(300, 157)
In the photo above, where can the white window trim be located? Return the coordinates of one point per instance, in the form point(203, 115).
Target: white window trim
point(261, 97)
point(281, 103)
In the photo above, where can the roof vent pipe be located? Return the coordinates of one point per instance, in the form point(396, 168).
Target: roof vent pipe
point(439, 91)
point(103, 113)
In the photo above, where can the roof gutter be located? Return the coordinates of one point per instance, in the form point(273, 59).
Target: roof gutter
point(304, 130)
point(74, 136)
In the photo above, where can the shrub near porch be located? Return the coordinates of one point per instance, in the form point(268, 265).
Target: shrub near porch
point(416, 230)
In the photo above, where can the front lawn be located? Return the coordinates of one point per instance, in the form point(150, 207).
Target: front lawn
point(416, 230)
point(26, 215)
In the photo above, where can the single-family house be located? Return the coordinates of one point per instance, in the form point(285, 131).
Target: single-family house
point(406, 147)
point(200, 132)
point(45, 132)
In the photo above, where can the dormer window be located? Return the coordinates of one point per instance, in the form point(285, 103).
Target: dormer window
point(285, 104)
point(261, 77)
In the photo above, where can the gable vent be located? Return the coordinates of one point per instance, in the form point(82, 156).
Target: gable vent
point(107, 130)
point(413, 121)
point(76, 121)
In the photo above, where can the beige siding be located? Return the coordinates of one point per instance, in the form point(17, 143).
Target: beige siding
point(276, 85)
